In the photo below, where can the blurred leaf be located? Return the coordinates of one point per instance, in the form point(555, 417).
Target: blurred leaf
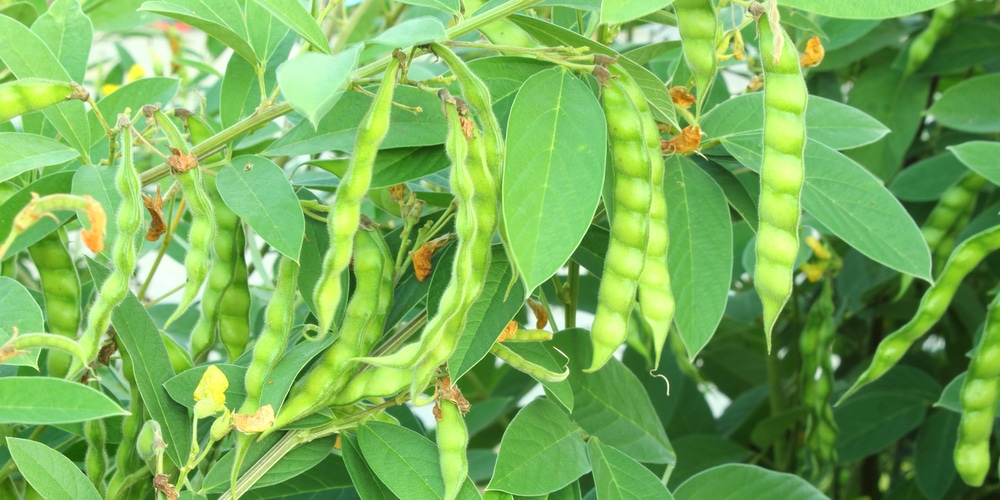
point(980, 157)
point(935, 471)
point(971, 106)
point(861, 9)
point(296, 17)
point(699, 452)
point(220, 19)
point(746, 481)
point(21, 152)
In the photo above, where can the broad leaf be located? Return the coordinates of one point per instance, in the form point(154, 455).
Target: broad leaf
point(296, 462)
point(554, 171)
point(971, 43)
point(21, 312)
point(698, 452)
point(623, 11)
point(980, 157)
point(417, 31)
point(449, 6)
point(50, 473)
point(140, 337)
point(935, 471)
point(616, 475)
point(220, 19)
point(257, 190)
point(539, 436)
point(700, 254)
point(265, 30)
point(298, 76)
point(365, 481)
point(68, 33)
point(404, 460)
point(862, 9)
point(296, 17)
point(21, 152)
point(47, 401)
point(927, 179)
point(613, 405)
point(746, 481)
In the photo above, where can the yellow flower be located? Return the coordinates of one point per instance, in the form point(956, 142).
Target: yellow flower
point(134, 73)
point(210, 395)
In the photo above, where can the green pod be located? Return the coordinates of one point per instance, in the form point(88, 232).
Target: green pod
point(61, 290)
point(452, 443)
point(699, 35)
point(221, 275)
point(932, 306)
point(345, 214)
point(334, 368)
point(129, 222)
point(942, 22)
point(201, 236)
point(273, 339)
point(502, 31)
point(96, 458)
point(378, 382)
point(632, 197)
point(656, 298)
point(782, 174)
point(815, 346)
point(979, 397)
point(234, 309)
point(35, 94)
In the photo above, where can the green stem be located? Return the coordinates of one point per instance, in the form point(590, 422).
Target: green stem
point(352, 23)
point(572, 294)
point(777, 406)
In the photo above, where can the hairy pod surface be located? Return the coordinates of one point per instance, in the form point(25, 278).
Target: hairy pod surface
point(61, 290)
point(452, 441)
point(234, 309)
point(201, 236)
point(932, 306)
point(220, 277)
point(129, 221)
point(979, 397)
point(34, 94)
point(782, 174)
point(699, 34)
point(270, 346)
point(345, 214)
point(632, 197)
point(334, 368)
point(815, 346)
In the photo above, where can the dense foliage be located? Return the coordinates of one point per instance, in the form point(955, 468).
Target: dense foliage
point(445, 249)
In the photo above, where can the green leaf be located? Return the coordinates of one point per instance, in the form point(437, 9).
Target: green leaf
point(504, 76)
point(298, 76)
point(862, 9)
point(20, 311)
point(181, 387)
point(296, 462)
point(296, 17)
point(47, 401)
point(927, 179)
point(68, 33)
point(556, 138)
point(698, 452)
point(418, 31)
point(935, 471)
point(971, 43)
point(219, 19)
point(746, 481)
point(656, 94)
point(338, 129)
point(21, 152)
point(736, 192)
point(240, 93)
point(623, 11)
point(396, 166)
point(140, 337)
point(50, 473)
point(257, 190)
point(843, 32)
point(616, 475)
point(836, 125)
point(700, 256)
point(612, 404)
point(27, 56)
point(980, 157)
point(56, 183)
point(883, 412)
point(489, 314)
point(365, 481)
point(539, 436)
point(449, 6)
point(405, 461)
point(266, 31)
point(898, 102)
point(327, 479)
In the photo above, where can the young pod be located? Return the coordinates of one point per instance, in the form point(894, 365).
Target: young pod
point(699, 36)
point(979, 397)
point(34, 94)
point(345, 214)
point(782, 172)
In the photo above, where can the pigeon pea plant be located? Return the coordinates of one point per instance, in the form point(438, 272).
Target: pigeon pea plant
point(465, 249)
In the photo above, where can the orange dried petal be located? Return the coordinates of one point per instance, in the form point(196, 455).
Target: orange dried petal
point(258, 422)
point(508, 331)
point(814, 53)
point(682, 97)
point(688, 140)
point(541, 315)
point(93, 237)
